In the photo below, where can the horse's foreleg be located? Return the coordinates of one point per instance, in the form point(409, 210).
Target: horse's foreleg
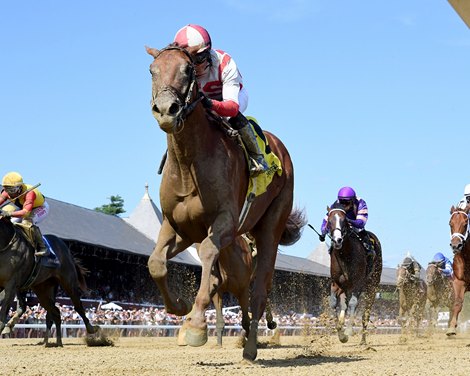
point(169, 244)
point(196, 333)
point(459, 293)
point(352, 314)
point(10, 293)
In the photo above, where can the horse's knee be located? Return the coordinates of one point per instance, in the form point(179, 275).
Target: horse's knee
point(157, 267)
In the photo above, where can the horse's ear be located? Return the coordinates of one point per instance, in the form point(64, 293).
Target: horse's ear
point(327, 208)
point(452, 209)
point(152, 51)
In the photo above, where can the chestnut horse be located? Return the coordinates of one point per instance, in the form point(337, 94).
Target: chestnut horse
point(20, 272)
point(412, 299)
point(202, 193)
point(348, 273)
point(461, 264)
point(439, 292)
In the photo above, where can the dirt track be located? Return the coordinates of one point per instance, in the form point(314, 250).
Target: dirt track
point(313, 355)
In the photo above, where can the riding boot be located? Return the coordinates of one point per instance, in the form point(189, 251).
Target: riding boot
point(41, 249)
point(258, 164)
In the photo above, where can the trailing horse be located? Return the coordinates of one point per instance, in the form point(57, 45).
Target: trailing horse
point(440, 292)
point(461, 247)
point(348, 273)
point(412, 299)
point(203, 191)
point(20, 271)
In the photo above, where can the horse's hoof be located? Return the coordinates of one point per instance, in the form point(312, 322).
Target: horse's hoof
point(6, 330)
point(196, 337)
point(182, 308)
point(181, 340)
point(272, 325)
point(249, 354)
point(343, 338)
point(451, 334)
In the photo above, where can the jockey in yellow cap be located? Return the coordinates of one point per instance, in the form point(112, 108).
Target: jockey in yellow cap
point(30, 208)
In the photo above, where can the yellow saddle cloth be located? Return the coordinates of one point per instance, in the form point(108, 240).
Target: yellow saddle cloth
point(258, 184)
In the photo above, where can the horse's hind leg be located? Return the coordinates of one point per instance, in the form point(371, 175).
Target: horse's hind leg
point(220, 322)
point(46, 293)
point(169, 244)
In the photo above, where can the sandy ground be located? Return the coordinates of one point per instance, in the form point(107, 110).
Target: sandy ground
point(302, 355)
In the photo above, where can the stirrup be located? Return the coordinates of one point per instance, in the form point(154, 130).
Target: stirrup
point(257, 166)
point(40, 253)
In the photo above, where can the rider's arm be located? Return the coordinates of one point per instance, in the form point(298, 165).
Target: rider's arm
point(27, 206)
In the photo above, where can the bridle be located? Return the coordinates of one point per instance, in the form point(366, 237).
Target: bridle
point(342, 230)
point(184, 101)
point(462, 237)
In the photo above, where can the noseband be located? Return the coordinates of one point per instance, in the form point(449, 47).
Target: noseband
point(462, 237)
point(184, 101)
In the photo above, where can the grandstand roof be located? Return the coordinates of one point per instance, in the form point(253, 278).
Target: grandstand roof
point(136, 233)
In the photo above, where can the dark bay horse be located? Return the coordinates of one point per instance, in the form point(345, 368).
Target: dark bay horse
point(348, 273)
point(461, 264)
point(19, 272)
point(412, 299)
point(440, 292)
point(202, 193)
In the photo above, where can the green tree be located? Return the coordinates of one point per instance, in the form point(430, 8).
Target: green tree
point(115, 207)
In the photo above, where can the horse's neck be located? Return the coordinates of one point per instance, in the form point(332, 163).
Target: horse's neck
point(7, 231)
point(196, 153)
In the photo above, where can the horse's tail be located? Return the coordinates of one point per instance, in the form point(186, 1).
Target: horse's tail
point(294, 226)
point(82, 272)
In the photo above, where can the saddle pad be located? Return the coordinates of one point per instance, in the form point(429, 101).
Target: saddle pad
point(258, 184)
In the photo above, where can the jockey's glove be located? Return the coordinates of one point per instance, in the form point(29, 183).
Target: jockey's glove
point(206, 102)
point(5, 214)
point(321, 237)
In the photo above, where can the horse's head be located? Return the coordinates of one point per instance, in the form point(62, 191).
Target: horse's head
point(432, 274)
point(337, 225)
point(458, 228)
point(174, 87)
point(403, 275)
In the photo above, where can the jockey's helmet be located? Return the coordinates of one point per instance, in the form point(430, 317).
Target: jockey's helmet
point(466, 190)
point(193, 36)
point(346, 194)
point(407, 261)
point(13, 183)
point(438, 258)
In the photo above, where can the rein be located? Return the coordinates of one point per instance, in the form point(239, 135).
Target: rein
point(186, 104)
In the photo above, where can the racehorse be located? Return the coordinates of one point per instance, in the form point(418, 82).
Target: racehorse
point(412, 298)
point(461, 247)
point(440, 292)
point(19, 272)
point(202, 193)
point(348, 273)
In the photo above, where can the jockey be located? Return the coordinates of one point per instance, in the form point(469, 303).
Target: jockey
point(466, 197)
point(356, 215)
point(34, 208)
point(222, 88)
point(444, 265)
point(413, 266)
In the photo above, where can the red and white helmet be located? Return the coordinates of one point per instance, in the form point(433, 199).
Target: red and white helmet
point(193, 36)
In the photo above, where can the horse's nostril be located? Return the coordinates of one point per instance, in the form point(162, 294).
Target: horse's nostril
point(155, 109)
point(174, 108)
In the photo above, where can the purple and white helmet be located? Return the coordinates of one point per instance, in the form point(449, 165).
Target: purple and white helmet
point(346, 193)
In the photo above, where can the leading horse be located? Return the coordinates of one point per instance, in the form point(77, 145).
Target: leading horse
point(20, 272)
point(348, 273)
point(461, 247)
point(202, 193)
point(439, 292)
